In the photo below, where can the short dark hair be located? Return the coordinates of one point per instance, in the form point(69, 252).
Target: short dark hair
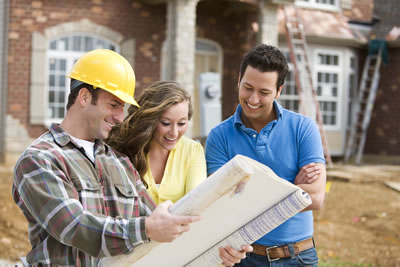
point(75, 90)
point(266, 58)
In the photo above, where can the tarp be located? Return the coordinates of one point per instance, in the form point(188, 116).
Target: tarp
point(373, 48)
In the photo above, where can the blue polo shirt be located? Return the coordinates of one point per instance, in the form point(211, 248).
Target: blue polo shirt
point(285, 145)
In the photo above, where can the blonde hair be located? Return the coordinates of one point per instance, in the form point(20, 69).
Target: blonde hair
point(134, 135)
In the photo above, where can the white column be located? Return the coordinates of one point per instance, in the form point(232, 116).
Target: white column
point(181, 38)
point(4, 11)
point(268, 22)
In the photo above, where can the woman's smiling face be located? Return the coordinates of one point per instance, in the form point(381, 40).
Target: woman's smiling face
point(171, 126)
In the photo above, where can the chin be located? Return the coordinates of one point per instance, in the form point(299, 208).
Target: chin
point(105, 135)
point(250, 112)
point(169, 147)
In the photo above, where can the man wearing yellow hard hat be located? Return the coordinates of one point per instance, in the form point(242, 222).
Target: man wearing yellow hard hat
point(83, 200)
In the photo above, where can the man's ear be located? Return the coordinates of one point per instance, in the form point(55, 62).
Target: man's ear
point(238, 84)
point(84, 97)
point(279, 91)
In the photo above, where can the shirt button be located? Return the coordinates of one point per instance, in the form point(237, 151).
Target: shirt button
point(254, 135)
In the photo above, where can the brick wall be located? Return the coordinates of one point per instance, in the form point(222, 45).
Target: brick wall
point(232, 30)
point(384, 131)
point(388, 13)
point(229, 24)
point(145, 23)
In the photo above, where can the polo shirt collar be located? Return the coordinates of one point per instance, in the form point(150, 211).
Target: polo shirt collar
point(236, 116)
point(278, 110)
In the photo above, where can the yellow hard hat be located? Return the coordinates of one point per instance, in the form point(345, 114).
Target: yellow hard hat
point(107, 70)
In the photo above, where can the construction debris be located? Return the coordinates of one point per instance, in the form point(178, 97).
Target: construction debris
point(365, 174)
point(393, 185)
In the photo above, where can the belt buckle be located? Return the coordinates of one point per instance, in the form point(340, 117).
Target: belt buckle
point(267, 250)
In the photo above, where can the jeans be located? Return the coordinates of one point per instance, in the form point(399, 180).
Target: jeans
point(305, 258)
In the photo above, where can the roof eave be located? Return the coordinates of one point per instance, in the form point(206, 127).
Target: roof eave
point(336, 41)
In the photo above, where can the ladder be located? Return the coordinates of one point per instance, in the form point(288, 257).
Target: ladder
point(308, 98)
point(363, 107)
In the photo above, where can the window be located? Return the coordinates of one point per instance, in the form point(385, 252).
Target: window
point(62, 53)
point(208, 56)
point(63, 44)
point(327, 86)
point(352, 87)
point(289, 98)
point(319, 4)
point(327, 74)
point(327, 2)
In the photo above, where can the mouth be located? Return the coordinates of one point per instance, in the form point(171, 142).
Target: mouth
point(109, 124)
point(170, 140)
point(251, 106)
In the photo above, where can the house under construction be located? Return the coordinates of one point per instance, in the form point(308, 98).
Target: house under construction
point(199, 43)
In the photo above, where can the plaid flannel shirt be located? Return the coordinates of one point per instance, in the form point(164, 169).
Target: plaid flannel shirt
point(79, 211)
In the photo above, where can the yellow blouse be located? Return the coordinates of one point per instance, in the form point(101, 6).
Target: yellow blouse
point(185, 169)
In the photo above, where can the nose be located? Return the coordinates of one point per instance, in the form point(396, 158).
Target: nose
point(173, 130)
point(119, 115)
point(253, 99)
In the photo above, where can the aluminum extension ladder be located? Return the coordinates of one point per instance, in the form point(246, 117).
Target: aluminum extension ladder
point(308, 98)
point(363, 107)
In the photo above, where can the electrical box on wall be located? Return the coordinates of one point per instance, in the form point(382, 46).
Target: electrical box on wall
point(210, 101)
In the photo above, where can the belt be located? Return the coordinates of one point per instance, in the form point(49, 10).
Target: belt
point(274, 253)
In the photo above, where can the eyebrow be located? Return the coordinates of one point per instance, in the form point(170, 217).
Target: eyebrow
point(247, 84)
point(262, 89)
point(119, 102)
point(165, 118)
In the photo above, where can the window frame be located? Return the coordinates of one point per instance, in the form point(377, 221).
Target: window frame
point(315, 5)
point(289, 97)
point(165, 71)
point(343, 58)
point(352, 94)
point(332, 69)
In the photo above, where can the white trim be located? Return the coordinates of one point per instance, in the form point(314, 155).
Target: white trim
point(217, 53)
point(337, 133)
point(85, 26)
point(314, 5)
point(289, 97)
point(331, 69)
point(37, 101)
point(164, 70)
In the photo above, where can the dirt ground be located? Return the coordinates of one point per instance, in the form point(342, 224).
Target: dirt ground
point(358, 226)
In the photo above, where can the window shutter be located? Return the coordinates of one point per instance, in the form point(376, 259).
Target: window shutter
point(38, 98)
point(346, 4)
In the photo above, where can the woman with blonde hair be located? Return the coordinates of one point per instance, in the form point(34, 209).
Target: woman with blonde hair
point(169, 163)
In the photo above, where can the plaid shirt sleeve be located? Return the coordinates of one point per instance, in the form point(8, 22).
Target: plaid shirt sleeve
point(51, 201)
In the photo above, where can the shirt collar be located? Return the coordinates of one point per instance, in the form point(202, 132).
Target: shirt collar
point(278, 110)
point(62, 138)
point(236, 116)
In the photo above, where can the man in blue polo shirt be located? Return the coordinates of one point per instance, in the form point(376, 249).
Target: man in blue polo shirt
point(287, 142)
